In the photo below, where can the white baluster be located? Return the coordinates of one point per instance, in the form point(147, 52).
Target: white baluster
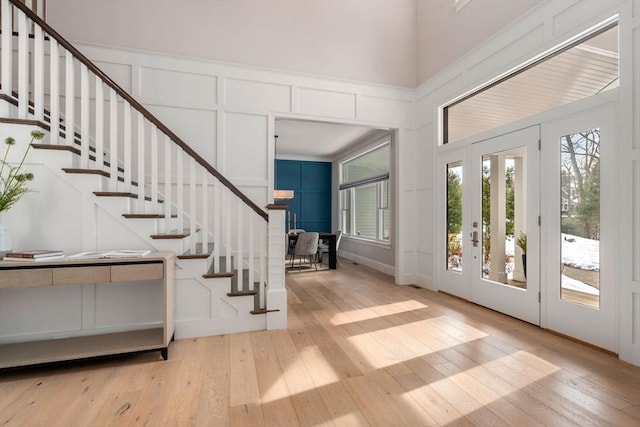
point(126, 154)
point(262, 228)
point(7, 47)
point(204, 197)
point(217, 236)
point(167, 184)
point(99, 123)
point(251, 251)
point(180, 189)
point(240, 237)
point(113, 140)
point(54, 91)
point(69, 109)
point(38, 73)
point(85, 120)
point(226, 208)
point(23, 65)
point(192, 205)
point(154, 168)
point(141, 164)
point(39, 9)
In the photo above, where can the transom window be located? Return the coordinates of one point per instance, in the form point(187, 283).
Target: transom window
point(579, 69)
point(364, 195)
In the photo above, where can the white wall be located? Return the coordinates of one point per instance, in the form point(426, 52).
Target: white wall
point(444, 35)
point(540, 30)
point(227, 113)
point(365, 40)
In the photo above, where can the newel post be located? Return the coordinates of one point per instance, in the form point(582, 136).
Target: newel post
point(276, 291)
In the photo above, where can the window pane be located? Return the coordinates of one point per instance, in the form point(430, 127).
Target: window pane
point(365, 211)
point(345, 206)
point(454, 216)
point(504, 206)
point(577, 73)
point(373, 163)
point(384, 210)
point(580, 217)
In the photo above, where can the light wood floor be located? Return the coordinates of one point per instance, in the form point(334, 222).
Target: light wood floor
point(359, 351)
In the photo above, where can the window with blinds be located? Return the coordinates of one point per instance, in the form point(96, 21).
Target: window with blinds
point(364, 195)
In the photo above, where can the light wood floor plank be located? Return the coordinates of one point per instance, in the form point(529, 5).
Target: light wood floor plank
point(214, 401)
point(277, 407)
point(359, 351)
point(243, 387)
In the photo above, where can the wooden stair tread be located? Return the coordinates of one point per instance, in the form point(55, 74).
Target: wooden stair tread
point(193, 256)
point(241, 293)
point(87, 171)
point(96, 172)
point(199, 253)
point(143, 216)
point(174, 234)
point(122, 194)
point(217, 275)
point(58, 147)
point(30, 122)
point(264, 311)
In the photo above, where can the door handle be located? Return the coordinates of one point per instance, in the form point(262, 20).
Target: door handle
point(474, 239)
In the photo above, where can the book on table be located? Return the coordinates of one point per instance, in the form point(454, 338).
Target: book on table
point(122, 253)
point(34, 255)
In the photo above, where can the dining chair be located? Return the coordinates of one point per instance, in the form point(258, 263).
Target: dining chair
point(306, 246)
point(323, 248)
point(292, 242)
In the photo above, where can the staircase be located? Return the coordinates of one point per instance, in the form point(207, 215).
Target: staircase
point(133, 169)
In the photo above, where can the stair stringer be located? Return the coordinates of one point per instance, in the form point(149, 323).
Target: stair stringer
point(223, 315)
point(203, 307)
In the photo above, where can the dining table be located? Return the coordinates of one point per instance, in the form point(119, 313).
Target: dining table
point(331, 239)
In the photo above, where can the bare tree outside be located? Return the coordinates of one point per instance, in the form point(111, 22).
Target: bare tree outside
point(580, 216)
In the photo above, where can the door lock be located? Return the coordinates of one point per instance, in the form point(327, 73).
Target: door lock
point(474, 239)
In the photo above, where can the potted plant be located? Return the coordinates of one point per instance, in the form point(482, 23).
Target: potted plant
point(13, 185)
point(521, 241)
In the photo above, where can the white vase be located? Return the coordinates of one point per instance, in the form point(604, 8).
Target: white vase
point(5, 240)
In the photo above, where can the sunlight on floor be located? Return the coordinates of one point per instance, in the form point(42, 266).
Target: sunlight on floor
point(374, 312)
point(492, 381)
point(410, 340)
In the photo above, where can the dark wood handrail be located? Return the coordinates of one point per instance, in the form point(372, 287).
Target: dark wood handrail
point(146, 113)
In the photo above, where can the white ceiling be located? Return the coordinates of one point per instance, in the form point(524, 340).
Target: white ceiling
point(306, 139)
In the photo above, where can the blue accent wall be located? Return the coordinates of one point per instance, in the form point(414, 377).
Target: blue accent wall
point(311, 183)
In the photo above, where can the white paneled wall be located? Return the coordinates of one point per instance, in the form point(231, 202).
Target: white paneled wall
point(226, 113)
point(540, 30)
point(629, 295)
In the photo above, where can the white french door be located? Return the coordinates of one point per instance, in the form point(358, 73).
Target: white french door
point(578, 226)
point(505, 209)
point(555, 183)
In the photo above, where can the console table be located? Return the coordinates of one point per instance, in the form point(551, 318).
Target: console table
point(156, 269)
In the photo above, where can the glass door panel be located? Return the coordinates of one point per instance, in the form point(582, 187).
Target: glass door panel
point(504, 214)
point(455, 241)
point(580, 217)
